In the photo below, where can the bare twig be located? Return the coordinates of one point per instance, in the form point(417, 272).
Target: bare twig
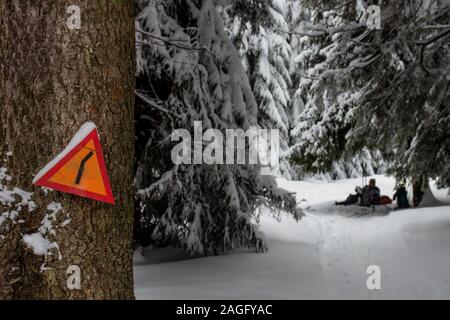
point(426, 42)
point(437, 26)
point(149, 101)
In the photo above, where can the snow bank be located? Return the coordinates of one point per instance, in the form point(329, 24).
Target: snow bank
point(441, 195)
point(324, 256)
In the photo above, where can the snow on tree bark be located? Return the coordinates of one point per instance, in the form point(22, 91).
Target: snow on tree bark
point(52, 80)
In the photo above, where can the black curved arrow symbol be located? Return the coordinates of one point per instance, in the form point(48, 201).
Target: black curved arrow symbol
point(82, 164)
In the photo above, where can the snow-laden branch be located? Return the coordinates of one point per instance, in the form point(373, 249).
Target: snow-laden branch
point(175, 43)
point(319, 30)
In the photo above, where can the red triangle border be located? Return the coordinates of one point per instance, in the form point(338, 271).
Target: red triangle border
point(108, 198)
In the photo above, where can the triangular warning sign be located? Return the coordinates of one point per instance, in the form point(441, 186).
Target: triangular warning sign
point(80, 169)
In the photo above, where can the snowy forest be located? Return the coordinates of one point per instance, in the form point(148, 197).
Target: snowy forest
point(336, 90)
point(354, 93)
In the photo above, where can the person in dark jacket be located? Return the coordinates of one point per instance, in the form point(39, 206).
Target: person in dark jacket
point(367, 196)
point(401, 195)
point(370, 194)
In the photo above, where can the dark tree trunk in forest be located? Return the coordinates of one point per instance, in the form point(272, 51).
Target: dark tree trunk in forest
point(419, 186)
point(52, 80)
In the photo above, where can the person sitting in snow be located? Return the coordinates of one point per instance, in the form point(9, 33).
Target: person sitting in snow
point(401, 195)
point(367, 196)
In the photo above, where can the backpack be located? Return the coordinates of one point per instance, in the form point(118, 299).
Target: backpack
point(385, 200)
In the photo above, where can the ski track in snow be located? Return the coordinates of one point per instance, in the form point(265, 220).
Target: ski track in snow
point(324, 256)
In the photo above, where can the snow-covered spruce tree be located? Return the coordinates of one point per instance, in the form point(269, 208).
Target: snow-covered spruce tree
point(252, 26)
point(326, 96)
point(388, 89)
point(188, 70)
point(258, 29)
point(410, 98)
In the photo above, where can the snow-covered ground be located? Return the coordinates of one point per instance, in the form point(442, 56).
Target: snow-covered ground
point(324, 256)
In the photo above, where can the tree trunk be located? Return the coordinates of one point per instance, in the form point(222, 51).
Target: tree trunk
point(419, 186)
point(52, 80)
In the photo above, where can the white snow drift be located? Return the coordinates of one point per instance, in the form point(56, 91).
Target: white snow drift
point(324, 256)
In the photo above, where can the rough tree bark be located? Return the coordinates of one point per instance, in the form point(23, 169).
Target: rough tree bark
point(52, 80)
